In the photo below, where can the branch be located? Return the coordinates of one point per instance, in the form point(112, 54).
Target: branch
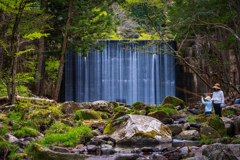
point(222, 26)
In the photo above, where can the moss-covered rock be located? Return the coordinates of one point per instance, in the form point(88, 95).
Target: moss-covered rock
point(138, 129)
point(207, 132)
point(119, 114)
point(175, 129)
point(174, 101)
point(102, 106)
point(161, 116)
point(213, 121)
point(42, 153)
point(168, 105)
point(216, 123)
point(71, 107)
point(86, 114)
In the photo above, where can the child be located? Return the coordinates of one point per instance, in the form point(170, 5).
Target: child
point(208, 105)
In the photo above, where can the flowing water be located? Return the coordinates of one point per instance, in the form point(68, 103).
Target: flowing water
point(123, 72)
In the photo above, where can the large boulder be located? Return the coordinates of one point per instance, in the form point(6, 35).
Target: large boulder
point(207, 132)
point(229, 125)
point(161, 116)
point(174, 101)
point(235, 148)
point(218, 151)
point(138, 129)
point(71, 107)
point(213, 121)
point(102, 106)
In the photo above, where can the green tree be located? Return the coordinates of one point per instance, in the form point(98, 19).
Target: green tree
point(21, 31)
point(86, 22)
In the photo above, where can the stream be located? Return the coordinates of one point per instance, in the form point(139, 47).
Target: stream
point(126, 149)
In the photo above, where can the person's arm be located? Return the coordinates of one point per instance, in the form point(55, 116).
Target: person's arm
point(222, 98)
point(203, 101)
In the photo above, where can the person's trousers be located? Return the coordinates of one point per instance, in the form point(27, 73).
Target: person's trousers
point(217, 109)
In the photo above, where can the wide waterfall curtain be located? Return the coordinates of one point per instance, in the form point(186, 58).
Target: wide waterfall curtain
point(123, 72)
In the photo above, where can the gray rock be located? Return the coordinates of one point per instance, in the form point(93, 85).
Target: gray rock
point(175, 128)
point(129, 156)
point(102, 106)
point(42, 153)
point(198, 158)
point(235, 148)
point(107, 151)
point(10, 138)
point(91, 148)
point(153, 157)
point(236, 122)
point(71, 107)
point(189, 135)
point(106, 146)
point(60, 149)
point(229, 125)
point(218, 151)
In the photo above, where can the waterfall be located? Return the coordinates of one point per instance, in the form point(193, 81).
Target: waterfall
point(121, 73)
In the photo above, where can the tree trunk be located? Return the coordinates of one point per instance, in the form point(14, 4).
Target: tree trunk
point(39, 65)
point(62, 59)
point(42, 81)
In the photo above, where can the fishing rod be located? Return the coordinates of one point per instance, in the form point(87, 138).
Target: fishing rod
point(189, 92)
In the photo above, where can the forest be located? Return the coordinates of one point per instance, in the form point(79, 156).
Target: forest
point(35, 36)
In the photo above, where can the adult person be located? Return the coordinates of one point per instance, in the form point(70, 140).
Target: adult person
point(217, 99)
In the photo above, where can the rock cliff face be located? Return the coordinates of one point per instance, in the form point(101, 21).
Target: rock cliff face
point(139, 129)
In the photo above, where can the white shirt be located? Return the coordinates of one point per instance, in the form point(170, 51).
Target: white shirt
point(218, 97)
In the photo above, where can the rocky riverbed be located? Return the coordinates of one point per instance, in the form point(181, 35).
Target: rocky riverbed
point(117, 131)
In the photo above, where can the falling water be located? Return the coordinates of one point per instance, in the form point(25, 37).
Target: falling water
point(120, 74)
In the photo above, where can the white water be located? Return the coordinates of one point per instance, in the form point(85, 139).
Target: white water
point(119, 74)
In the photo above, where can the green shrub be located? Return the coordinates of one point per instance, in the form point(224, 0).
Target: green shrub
point(16, 126)
point(228, 112)
point(191, 119)
point(117, 109)
point(26, 132)
point(3, 130)
point(108, 120)
point(153, 110)
point(135, 103)
point(58, 128)
point(6, 148)
point(207, 141)
point(71, 138)
point(134, 111)
point(169, 110)
point(236, 141)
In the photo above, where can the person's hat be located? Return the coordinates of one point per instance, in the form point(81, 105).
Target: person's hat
point(208, 98)
point(217, 84)
point(216, 87)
